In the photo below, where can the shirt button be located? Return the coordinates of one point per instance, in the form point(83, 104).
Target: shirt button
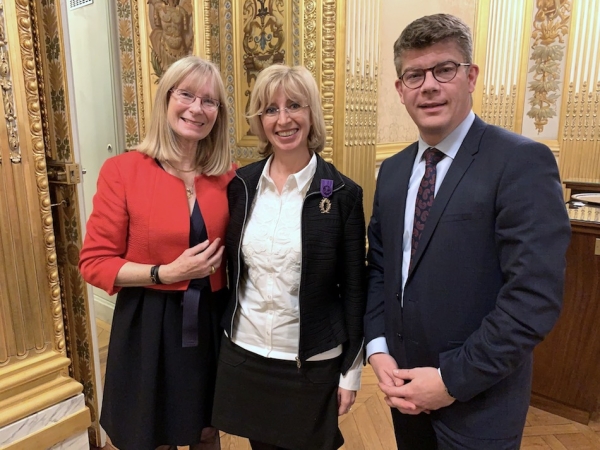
point(399, 336)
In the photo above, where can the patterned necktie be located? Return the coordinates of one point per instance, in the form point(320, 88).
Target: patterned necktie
point(425, 196)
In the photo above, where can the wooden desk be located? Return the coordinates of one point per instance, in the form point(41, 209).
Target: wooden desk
point(581, 185)
point(566, 371)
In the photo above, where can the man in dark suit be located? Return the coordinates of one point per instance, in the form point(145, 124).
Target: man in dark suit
point(463, 285)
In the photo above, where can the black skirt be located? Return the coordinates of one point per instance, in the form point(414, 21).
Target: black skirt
point(156, 391)
point(275, 402)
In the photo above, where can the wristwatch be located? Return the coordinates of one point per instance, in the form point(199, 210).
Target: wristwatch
point(154, 275)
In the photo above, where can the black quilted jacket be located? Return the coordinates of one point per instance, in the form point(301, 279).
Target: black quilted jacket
point(332, 285)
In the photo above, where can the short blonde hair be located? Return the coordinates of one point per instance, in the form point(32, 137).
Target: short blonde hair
point(298, 84)
point(212, 155)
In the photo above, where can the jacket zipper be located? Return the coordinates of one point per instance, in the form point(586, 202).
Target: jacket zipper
point(239, 258)
point(298, 361)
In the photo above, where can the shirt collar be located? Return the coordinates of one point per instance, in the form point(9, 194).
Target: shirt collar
point(302, 178)
point(451, 143)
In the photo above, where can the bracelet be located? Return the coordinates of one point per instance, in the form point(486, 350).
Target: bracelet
point(154, 275)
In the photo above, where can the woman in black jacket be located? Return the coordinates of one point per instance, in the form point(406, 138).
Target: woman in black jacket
point(296, 246)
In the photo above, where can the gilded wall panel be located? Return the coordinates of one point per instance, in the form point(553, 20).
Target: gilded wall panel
point(547, 64)
point(171, 36)
point(168, 30)
point(253, 35)
point(33, 362)
point(131, 71)
point(501, 49)
point(56, 134)
point(262, 34)
point(579, 134)
point(355, 155)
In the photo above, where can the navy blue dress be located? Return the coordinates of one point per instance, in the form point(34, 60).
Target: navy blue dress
point(159, 386)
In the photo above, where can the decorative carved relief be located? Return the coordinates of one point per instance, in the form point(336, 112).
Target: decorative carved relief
point(499, 108)
point(7, 95)
point(172, 35)
point(550, 30)
point(262, 41)
point(131, 77)
point(328, 72)
point(51, 73)
point(35, 129)
point(310, 36)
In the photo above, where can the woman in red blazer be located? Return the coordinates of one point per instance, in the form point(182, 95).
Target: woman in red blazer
point(155, 238)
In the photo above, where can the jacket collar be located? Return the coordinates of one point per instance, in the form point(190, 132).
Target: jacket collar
point(251, 174)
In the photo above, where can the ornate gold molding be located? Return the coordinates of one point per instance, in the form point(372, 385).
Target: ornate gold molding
point(138, 68)
point(328, 76)
point(310, 37)
point(550, 29)
point(384, 151)
point(7, 94)
point(207, 30)
point(35, 128)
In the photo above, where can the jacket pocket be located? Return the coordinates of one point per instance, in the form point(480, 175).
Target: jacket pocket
point(471, 215)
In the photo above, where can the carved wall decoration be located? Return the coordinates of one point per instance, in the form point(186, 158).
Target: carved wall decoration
point(253, 35)
point(360, 97)
point(502, 43)
point(51, 72)
point(580, 120)
point(262, 41)
point(7, 95)
point(551, 26)
point(172, 32)
point(131, 71)
point(33, 353)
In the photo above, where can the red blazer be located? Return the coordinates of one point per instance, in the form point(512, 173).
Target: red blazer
point(141, 215)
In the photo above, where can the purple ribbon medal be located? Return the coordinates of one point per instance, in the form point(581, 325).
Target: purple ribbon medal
point(326, 191)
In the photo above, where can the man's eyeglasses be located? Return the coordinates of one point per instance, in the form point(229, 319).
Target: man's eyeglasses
point(187, 98)
point(292, 110)
point(442, 72)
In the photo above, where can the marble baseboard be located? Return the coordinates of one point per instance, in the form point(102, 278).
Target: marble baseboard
point(31, 424)
point(77, 442)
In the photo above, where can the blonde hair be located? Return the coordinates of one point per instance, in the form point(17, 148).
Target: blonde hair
point(212, 154)
point(298, 84)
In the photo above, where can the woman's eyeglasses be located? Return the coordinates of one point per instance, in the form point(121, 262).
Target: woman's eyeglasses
point(291, 110)
point(187, 98)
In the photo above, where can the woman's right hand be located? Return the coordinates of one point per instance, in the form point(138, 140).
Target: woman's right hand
point(199, 261)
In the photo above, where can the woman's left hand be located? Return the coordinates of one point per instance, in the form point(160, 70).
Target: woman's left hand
point(346, 399)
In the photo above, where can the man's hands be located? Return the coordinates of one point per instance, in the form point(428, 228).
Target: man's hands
point(411, 391)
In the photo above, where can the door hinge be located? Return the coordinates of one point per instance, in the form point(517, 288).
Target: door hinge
point(64, 173)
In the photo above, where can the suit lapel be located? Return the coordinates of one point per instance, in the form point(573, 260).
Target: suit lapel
point(464, 157)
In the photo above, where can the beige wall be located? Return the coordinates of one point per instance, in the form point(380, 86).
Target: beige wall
point(394, 124)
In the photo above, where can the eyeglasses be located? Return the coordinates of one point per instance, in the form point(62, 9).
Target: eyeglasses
point(187, 98)
point(292, 110)
point(442, 72)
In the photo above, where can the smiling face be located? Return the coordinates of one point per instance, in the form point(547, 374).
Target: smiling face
point(191, 123)
point(437, 108)
point(287, 132)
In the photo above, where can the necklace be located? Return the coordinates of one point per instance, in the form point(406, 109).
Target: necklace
point(189, 191)
point(181, 170)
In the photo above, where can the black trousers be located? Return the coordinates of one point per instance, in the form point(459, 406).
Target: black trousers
point(420, 432)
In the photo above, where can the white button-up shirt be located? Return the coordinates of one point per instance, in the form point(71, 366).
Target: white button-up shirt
point(268, 315)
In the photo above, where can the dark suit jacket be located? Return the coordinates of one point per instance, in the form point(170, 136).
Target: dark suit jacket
point(487, 280)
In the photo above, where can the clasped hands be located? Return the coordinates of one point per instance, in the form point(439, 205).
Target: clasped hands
point(411, 391)
point(196, 262)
